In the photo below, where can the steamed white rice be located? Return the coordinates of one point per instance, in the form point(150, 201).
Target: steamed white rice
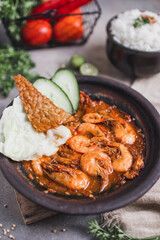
point(145, 37)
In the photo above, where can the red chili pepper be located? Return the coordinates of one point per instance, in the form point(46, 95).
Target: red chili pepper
point(62, 6)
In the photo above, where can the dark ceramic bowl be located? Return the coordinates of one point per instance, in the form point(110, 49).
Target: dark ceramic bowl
point(133, 62)
point(112, 92)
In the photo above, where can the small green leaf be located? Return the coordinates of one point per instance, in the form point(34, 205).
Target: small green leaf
point(13, 9)
point(138, 22)
point(13, 62)
point(110, 234)
point(145, 20)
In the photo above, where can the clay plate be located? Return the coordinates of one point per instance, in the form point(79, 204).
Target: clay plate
point(112, 92)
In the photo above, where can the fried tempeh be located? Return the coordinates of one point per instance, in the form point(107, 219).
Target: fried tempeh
point(41, 111)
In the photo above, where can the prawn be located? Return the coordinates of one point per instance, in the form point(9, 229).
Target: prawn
point(80, 143)
point(125, 133)
point(97, 163)
point(124, 162)
point(130, 174)
point(89, 128)
point(68, 177)
point(137, 165)
point(36, 165)
point(122, 129)
point(93, 118)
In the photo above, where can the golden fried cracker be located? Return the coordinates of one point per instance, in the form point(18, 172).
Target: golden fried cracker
point(41, 112)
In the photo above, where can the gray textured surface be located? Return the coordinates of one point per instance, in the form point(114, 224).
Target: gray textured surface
point(75, 225)
point(47, 61)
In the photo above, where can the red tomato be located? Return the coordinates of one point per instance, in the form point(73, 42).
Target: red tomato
point(36, 32)
point(69, 28)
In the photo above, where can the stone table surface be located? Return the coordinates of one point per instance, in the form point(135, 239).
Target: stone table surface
point(47, 61)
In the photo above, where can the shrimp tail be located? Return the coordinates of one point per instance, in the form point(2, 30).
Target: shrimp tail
point(84, 98)
point(104, 180)
point(104, 184)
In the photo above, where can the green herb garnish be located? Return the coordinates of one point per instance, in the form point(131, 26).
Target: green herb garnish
point(116, 233)
point(13, 62)
point(138, 22)
point(13, 9)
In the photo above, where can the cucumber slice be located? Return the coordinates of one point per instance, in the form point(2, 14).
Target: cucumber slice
point(54, 93)
point(88, 69)
point(76, 61)
point(68, 82)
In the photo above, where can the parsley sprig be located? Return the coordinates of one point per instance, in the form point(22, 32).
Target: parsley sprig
point(138, 22)
point(13, 62)
point(14, 9)
point(114, 233)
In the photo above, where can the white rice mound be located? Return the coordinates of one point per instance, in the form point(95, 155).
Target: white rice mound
point(143, 38)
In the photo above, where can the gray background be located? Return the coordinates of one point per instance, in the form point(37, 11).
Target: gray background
point(47, 61)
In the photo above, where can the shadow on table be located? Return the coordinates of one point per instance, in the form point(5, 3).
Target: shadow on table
point(97, 55)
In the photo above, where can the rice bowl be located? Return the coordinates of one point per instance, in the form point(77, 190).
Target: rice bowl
point(125, 54)
point(135, 30)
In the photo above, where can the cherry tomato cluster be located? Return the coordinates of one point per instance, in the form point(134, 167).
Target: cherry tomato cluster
point(65, 30)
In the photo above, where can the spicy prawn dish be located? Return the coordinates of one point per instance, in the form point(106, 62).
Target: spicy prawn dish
point(105, 150)
point(70, 146)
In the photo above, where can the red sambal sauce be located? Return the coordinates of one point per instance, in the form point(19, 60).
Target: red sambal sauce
point(106, 149)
